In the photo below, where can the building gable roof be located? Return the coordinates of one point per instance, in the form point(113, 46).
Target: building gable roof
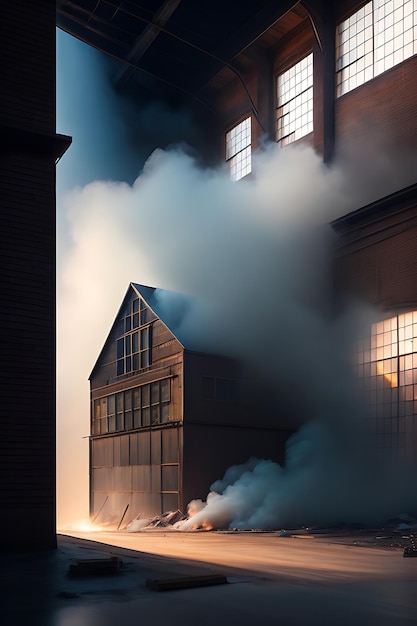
point(169, 307)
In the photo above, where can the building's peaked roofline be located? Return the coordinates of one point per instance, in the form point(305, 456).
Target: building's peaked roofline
point(168, 306)
point(154, 298)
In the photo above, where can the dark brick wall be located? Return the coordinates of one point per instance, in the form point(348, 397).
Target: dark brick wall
point(378, 260)
point(27, 69)
point(381, 114)
point(27, 252)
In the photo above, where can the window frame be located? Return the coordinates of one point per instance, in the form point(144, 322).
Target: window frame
point(235, 159)
point(357, 66)
point(136, 323)
point(282, 137)
point(143, 409)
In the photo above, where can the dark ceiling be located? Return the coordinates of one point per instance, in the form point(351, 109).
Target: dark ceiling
point(170, 45)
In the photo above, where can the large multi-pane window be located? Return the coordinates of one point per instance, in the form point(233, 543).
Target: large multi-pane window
point(238, 149)
point(294, 116)
point(380, 35)
point(143, 406)
point(387, 368)
point(133, 348)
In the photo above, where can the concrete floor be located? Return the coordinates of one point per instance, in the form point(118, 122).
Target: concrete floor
point(271, 580)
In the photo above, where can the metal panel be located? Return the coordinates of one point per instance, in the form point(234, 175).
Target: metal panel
point(99, 502)
point(143, 505)
point(116, 452)
point(108, 452)
point(170, 446)
point(119, 503)
point(133, 445)
point(102, 479)
point(122, 478)
point(169, 480)
point(170, 502)
point(156, 447)
point(155, 503)
point(156, 478)
point(141, 478)
point(144, 448)
point(102, 450)
point(97, 452)
point(124, 450)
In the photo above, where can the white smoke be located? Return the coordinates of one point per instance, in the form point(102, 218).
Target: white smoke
point(256, 259)
point(324, 482)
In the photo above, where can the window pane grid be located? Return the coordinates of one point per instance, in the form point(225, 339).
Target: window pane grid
point(238, 149)
point(133, 349)
point(387, 370)
point(294, 116)
point(381, 34)
point(240, 165)
point(151, 406)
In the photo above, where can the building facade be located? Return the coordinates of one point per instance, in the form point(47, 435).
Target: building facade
point(166, 419)
point(339, 76)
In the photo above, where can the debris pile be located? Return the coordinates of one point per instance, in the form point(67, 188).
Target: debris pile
point(169, 520)
point(411, 550)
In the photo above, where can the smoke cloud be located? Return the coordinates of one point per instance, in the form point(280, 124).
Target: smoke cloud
point(254, 260)
point(325, 482)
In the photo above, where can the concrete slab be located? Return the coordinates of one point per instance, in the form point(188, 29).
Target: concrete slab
point(272, 581)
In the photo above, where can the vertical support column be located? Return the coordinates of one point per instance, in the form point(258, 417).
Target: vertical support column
point(329, 82)
point(28, 150)
point(323, 22)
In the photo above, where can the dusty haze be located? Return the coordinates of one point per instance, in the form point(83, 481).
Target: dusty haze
point(253, 255)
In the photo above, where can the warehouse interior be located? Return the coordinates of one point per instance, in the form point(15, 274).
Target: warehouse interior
point(354, 63)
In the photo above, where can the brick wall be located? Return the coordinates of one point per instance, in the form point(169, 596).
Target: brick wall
point(380, 114)
point(28, 149)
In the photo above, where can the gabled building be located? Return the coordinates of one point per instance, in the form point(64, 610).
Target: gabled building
point(167, 419)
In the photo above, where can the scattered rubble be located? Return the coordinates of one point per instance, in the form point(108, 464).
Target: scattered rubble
point(170, 519)
point(411, 550)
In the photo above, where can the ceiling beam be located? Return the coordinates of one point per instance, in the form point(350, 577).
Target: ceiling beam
point(147, 37)
point(254, 28)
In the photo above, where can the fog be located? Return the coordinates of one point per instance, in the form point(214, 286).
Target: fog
point(256, 260)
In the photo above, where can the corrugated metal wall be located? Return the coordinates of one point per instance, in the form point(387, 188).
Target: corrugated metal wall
point(139, 469)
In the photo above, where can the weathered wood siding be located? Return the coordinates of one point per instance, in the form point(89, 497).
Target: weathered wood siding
point(139, 465)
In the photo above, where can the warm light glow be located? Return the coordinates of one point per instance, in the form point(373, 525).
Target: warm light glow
point(84, 526)
point(390, 377)
point(387, 367)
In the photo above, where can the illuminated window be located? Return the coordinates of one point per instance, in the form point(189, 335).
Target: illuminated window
point(133, 347)
point(380, 35)
point(387, 367)
point(238, 149)
point(295, 102)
